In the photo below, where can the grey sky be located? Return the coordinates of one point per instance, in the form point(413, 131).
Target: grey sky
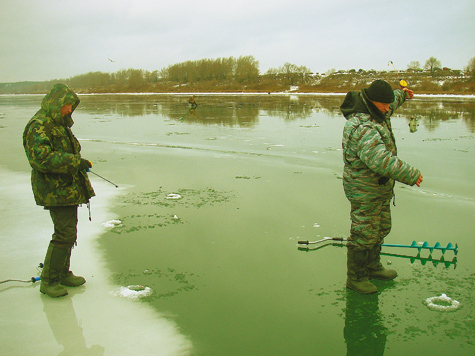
point(41, 40)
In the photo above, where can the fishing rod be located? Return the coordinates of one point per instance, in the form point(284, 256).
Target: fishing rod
point(402, 82)
point(419, 247)
point(108, 181)
point(103, 178)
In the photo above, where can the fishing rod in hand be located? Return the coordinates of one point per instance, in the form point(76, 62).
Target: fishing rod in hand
point(88, 169)
point(402, 82)
point(108, 181)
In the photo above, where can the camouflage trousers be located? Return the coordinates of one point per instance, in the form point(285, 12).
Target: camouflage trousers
point(370, 224)
point(65, 219)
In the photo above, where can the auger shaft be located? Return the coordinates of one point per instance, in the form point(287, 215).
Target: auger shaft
point(414, 244)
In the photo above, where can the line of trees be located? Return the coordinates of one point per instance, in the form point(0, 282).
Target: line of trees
point(131, 79)
point(244, 69)
point(432, 65)
point(233, 74)
point(291, 73)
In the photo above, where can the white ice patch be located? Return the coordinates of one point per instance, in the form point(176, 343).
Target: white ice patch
point(447, 303)
point(133, 292)
point(112, 223)
point(173, 196)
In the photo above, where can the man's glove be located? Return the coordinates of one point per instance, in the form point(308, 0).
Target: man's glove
point(84, 165)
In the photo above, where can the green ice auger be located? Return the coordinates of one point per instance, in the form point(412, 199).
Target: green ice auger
point(426, 246)
point(414, 244)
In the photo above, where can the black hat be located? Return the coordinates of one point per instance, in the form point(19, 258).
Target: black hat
point(380, 91)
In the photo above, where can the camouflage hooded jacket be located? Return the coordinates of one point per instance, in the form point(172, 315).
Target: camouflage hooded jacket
point(369, 150)
point(54, 153)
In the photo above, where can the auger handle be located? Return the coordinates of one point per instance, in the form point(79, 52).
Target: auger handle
point(306, 242)
point(338, 239)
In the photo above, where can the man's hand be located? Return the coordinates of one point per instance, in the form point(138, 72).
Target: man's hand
point(409, 93)
point(419, 181)
point(84, 165)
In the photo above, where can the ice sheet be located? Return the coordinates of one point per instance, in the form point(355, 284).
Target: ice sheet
point(90, 319)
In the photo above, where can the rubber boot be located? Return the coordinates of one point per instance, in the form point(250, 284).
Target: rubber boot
point(50, 276)
point(68, 279)
point(357, 272)
point(376, 269)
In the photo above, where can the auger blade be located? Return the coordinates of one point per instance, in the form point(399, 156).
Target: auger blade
point(425, 246)
point(423, 260)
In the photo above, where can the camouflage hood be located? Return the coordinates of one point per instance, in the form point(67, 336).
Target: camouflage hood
point(54, 153)
point(358, 102)
point(57, 97)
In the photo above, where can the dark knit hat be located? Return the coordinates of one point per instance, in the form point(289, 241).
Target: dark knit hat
point(380, 91)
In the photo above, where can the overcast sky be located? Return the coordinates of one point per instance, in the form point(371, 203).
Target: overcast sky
point(52, 39)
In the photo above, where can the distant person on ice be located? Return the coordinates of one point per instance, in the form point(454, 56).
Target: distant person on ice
point(59, 181)
point(371, 169)
point(192, 102)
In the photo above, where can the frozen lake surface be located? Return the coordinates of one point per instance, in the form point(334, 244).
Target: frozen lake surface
point(196, 252)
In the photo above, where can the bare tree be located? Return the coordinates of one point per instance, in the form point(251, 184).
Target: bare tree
point(470, 68)
point(414, 65)
point(247, 69)
point(432, 64)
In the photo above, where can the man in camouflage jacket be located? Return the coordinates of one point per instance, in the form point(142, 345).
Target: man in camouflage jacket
point(59, 181)
point(371, 169)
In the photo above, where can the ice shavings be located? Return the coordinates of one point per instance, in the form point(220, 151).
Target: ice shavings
point(112, 223)
point(442, 303)
point(133, 292)
point(173, 196)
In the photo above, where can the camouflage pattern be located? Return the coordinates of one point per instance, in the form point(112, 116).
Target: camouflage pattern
point(371, 168)
point(370, 224)
point(370, 152)
point(54, 153)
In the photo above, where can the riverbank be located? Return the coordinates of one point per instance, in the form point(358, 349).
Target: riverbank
point(441, 83)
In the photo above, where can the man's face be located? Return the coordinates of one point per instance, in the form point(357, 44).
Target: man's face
point(383, 107)
point(66, 110)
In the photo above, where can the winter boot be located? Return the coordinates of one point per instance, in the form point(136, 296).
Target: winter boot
point(50, 276)
point(376, 269)
point(68, 279)
point(357, 272)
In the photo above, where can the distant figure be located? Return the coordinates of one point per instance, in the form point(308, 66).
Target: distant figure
point(192, 102)
point(59, 181)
